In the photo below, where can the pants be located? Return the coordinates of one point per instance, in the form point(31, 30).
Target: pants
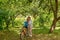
point(30, 31)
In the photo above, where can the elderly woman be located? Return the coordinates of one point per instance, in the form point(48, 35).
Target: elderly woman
point(29, 26)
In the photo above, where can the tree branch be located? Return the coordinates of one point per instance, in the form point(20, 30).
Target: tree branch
point(58, 18)
point(52, 6)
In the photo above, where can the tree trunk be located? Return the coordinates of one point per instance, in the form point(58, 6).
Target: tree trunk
point(55, 11)
point(7, 24)
point(53, 26)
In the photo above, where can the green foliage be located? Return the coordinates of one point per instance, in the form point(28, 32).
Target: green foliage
point(39, 9)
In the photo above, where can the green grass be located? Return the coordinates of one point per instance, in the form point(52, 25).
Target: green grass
point(39, 31)
point(38, 34)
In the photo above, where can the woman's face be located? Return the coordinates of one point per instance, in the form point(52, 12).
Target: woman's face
point(28, 19)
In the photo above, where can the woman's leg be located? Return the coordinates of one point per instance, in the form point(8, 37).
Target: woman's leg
point(30, 31)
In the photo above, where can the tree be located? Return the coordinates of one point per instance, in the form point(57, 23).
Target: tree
point(55, 12)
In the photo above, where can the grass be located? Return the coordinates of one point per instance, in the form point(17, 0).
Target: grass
point(8, 35)
point(38, 34)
